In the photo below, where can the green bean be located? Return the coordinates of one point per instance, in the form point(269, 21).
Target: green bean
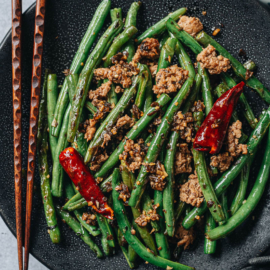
point(52, 94)
point(254, 197)
point(206, 186)
point(87, 74)
point(124, 249)
point(104, 185)
point(157, 142)
point(163, 39)
point(144, 86)
point(238, 68)
point(224, 205)
point(79, 230)
point(132, 135)
point(111, 118)
point(206, 89)
point(183, 36)
point(161, 238)
point(116, 14)
point(184, 59)
point(129, 49)
point(72, 81)
point(90, 107)
point(119, 41)
point(93, 230)
point(58, 171)
point(209, 246)
point(147, 206)
point(129, 180)
point(77, 205)
point(132, 240)
point(193, 95)
point(227, 177)
point(42, 148)
point(148, 96)
point(246, 109)
point(106, 229)
point(79, 59)
point(112, 96)
point(80, 143)
point(242, 189)
point(168, 192)
point(166, 53)
point(160, 26)
point(132, 255)
point(179, 210)
point(131, 18)
point(73, 199)
point(250, 65)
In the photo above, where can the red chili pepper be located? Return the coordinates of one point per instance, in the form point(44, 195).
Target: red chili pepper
point(79, 173)
point(211, 134)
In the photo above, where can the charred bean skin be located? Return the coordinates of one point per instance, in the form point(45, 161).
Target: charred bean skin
point(42, 151)
point(86, 76)
point(80, 57)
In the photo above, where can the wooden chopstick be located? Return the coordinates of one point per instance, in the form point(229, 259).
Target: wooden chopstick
point(33, 122)
point(17, 119)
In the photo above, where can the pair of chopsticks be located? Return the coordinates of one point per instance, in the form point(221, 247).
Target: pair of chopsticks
point(17, 115)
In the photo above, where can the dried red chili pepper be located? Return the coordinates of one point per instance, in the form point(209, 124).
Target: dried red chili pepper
point(211, 134)
point(79, 173)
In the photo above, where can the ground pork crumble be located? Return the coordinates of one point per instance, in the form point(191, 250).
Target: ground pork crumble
point(120, 73)
point(183, 159)
point(148, 216)
point(191, 192)
point(223, 161)
point(89, 218)
point(157, 175)
point(147, 51)
point(98, 159)
point(153, 70)
point(215, 64)
point(191, 25)
point(169, 80)
point(186, 237)
point(90, 129)
point(198, 106)
point(124, 193)
point(133, 154)
point(184, 124)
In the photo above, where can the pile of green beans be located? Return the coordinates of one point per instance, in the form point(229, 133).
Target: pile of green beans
point(62, 120)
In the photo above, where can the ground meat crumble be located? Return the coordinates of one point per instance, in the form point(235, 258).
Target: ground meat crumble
point(133, 154)
point(153, 70)
point(191, 25)
point(101, 92)
point(215, 64)
point(90, 129)
point(147, 50)
point(145, 218)
point(186, 237)
point(223, 161)
point(98, 159)
point(198, 106)
point(169, 80)
point(89, 218)
point(191, 192)
point(119, 73)
point(124, 193)
point(183, 160)
point(184, 124)
point(157, 176)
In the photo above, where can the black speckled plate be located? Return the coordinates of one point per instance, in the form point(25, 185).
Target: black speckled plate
point(246, 26)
